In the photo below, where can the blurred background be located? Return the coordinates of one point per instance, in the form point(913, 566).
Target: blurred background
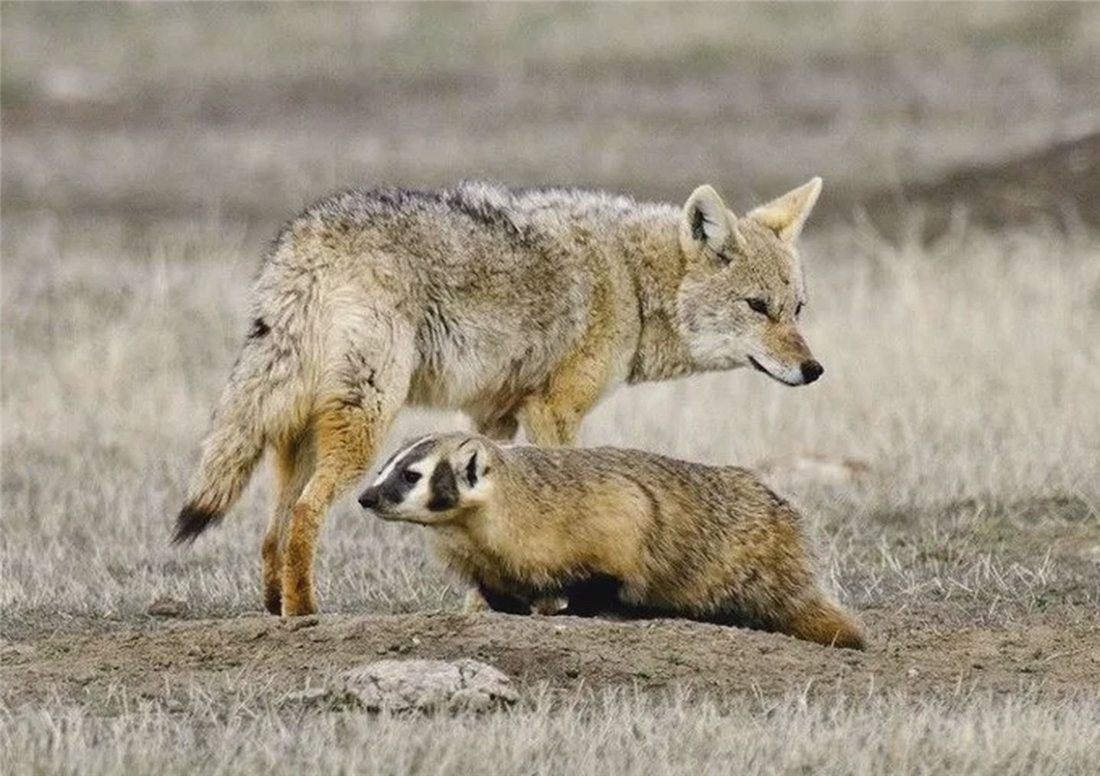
point(250, 111)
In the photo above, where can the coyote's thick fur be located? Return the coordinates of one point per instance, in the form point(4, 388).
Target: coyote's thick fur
point(611, 530)
point(516, 306)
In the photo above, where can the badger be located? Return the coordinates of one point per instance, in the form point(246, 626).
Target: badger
point(611, 531)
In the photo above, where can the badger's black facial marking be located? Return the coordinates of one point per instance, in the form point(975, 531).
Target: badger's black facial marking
point(443, 487)
point(401, 480)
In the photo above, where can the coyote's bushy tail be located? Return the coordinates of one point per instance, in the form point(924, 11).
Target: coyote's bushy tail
point(238, 433)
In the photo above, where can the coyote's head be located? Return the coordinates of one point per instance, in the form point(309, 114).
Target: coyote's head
point(742, 291)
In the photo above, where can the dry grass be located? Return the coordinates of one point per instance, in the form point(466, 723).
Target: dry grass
point(593, 733)
point(962, 374)
point(147, 150)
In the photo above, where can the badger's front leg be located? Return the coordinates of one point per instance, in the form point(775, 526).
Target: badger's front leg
point(499, 601)
point(474, 602)
point(547, 606)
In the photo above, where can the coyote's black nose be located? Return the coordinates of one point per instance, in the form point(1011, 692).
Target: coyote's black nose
point(369, 499)
point(811, 370)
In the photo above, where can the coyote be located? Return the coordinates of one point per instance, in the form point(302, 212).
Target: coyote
point(611, 530)
point(518, 306)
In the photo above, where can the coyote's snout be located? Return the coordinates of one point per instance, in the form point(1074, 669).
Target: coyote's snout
point(515, 306)
point(784, 355)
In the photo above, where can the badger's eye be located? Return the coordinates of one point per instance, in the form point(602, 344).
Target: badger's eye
point(410, 476)
point(758, 305)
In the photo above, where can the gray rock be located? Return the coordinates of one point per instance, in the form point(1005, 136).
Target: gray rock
point(428, 686)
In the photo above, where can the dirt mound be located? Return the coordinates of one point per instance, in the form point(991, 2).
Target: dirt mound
point(166, 662)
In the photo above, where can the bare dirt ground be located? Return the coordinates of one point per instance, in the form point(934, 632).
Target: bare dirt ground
point(163, 662)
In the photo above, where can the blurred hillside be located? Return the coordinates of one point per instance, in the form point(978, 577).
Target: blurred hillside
point(249, 111)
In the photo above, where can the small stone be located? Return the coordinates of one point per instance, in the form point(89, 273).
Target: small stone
point(166, 607)
point(298, 623)
point(14, 651)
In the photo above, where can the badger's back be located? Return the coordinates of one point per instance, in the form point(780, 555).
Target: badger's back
point(698, 535)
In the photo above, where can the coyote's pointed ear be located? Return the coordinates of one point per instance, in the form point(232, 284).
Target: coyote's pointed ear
point(471, 462)
point(785, 215)
point(708, 225)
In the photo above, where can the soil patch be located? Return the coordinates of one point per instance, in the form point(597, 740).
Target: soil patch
point(167, 662)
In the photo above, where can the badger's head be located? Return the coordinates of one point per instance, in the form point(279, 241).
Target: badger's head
point(431, 480)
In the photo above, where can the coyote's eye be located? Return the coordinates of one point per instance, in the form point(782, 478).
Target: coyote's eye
point(758, 306)
point(798, 310)
point(410, 476)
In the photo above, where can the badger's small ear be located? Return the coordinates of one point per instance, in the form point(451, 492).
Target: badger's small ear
point(787, 214)
point(471, 462)
point(708, 225)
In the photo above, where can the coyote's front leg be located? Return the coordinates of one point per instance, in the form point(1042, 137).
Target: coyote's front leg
point(553, 418)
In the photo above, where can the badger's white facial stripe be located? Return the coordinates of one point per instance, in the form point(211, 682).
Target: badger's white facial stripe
point(398, 458)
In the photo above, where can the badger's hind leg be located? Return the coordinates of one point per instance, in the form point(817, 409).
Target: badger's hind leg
point(821, 620)
point(787, 599)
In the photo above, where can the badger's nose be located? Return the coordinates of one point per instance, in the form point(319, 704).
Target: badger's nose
point(811, 370)
point(369, 499)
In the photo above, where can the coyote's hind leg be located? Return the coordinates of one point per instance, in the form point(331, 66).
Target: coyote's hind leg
point(294, 464)
point(349, 425)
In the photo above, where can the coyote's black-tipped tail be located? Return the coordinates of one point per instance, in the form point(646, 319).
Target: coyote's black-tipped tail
point(233, 445)
point(192, 521)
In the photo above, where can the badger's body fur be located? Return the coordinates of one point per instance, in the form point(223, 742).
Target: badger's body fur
point(612, 530)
